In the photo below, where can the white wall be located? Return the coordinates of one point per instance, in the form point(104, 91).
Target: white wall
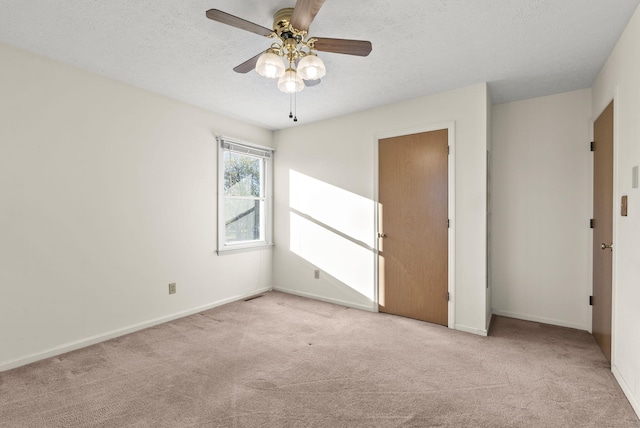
point(107, 194)
point(620, 78)
point(340, 155)
point(541, 208)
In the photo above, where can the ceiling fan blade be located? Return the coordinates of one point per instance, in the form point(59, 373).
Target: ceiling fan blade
point(248, 65)
point(343, 46)
point(234, 21)
point(304, 12)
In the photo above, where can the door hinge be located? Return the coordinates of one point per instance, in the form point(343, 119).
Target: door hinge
point(448, 150)
point(448, 223)
point(590, 300)
point(592, 223)
point(592, 146)
point(448, 297)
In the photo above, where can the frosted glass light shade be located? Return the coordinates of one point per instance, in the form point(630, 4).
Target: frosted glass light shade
point(270, 65)
point(311, 67)
point(290, 82)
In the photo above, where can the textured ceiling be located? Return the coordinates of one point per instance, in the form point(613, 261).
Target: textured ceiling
point(523, 48)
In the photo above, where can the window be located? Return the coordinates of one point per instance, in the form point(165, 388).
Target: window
point(244, 195)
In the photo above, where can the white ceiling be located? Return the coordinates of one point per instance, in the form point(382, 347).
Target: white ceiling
point(523, 48)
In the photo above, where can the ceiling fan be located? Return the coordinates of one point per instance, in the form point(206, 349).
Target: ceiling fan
point(292, 56)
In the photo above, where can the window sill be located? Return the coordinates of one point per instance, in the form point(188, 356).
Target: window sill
point(244, 248)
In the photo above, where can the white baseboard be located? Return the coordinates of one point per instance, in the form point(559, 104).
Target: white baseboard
point(539, 319)
point(625, 388)
point(325, 299)
point(471, 330)
point(92, 340)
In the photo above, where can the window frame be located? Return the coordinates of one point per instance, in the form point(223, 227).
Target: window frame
point(266, 217)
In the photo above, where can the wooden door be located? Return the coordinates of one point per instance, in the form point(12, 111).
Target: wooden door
point(413, 194)
point(602, 229)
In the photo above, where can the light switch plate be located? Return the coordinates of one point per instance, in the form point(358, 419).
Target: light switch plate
point(634, 177)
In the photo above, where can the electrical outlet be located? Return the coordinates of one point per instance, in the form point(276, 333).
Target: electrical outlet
point(316, 274)
point(172, 288)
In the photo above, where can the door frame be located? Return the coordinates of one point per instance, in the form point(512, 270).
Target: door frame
point(451, 207)
point(614, 232)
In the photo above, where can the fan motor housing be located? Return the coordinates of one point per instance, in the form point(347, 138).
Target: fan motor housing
point(282, 18)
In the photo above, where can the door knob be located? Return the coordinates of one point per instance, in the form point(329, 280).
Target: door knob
point(605, 246)
point(381, 235)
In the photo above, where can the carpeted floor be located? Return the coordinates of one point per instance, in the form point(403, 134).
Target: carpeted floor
point(285, 361)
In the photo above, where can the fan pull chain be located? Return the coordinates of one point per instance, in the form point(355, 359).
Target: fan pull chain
point(295, 107)
point(290, 102)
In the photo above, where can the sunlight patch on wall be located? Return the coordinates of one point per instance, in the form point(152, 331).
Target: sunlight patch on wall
point(344, 211)
point(341, 258)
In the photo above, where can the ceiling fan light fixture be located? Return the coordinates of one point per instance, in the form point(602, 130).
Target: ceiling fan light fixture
point(311, 67)
point(290, 82)
point(270, 65)
point(292, 45)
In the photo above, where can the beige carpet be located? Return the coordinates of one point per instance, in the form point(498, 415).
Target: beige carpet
point(285, 361)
